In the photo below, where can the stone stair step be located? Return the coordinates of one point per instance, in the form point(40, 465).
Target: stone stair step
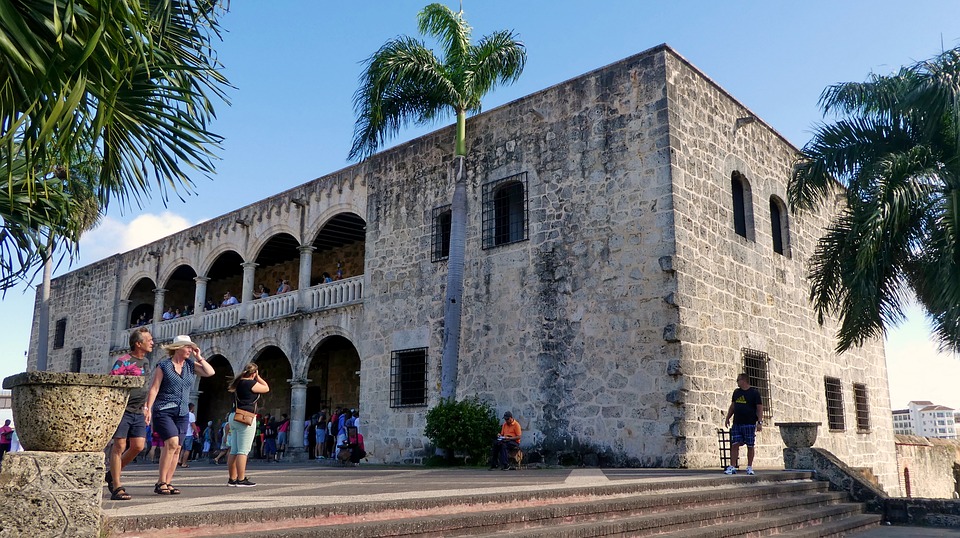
point(806, 518)
point(651, 511)
point(711, 522)
point(840, 527)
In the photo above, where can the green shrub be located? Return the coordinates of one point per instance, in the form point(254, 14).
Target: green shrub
point(468, 426)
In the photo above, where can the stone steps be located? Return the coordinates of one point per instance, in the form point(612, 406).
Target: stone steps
point(781, 505)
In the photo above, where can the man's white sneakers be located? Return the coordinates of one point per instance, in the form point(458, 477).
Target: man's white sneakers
point(731, 470)
point(750, 470)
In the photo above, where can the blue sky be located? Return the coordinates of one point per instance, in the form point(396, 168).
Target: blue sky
point(295, 66)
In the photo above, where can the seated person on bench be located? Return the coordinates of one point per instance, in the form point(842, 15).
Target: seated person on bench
point(507, 441)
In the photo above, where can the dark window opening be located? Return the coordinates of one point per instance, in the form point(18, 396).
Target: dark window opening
point(779, 228)
point(76, 360)
point(440, 243)
point(408, 378)
point(505, 211)
point(742, 206)
point(60, 334)
point(755, 365)
point(862, 403)
point(834, 393)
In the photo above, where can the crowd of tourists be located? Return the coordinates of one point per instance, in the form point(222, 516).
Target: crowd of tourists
point(161, 413)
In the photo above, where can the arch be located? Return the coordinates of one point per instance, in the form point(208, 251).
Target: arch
point(254, 351)
point(141, 297)
point(339, 248)
point(311, 346)
point(172, 267)
point(270, 234)
point(181, 289)
point(214, 402)
point(212, 257)
point(334, 375)
point(328, 214)
point(274, 366)
point(779, 226)
point(132, 281)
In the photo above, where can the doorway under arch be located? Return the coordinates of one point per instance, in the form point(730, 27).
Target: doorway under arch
point(274, 368)
point(215, 401)
point(334, 376)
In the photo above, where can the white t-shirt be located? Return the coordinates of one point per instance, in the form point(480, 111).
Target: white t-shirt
point(192, 419)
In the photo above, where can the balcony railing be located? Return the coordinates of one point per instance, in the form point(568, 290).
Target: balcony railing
point(316, 297)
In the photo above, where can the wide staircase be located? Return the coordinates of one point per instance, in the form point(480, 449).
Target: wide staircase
point(785, 504)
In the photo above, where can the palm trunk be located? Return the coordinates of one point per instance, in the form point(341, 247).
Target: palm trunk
point(454, 294)
point(43, 324)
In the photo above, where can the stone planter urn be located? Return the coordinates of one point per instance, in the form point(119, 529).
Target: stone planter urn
point(798, 434)
point(68, 412)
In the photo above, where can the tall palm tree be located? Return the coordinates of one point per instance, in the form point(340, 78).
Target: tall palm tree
point(893, 155)
point(403, 83)
point(135, 80)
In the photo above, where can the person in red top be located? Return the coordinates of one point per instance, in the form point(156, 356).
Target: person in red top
point(6, 437)
point(509, 439)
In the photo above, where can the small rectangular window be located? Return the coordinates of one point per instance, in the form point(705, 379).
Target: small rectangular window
point(834, 392)
point(76, 360)
point(863, 407)
point(505, 211)
point(440, 236)
point(408, 378)
point(60, 334)
point(755, 365)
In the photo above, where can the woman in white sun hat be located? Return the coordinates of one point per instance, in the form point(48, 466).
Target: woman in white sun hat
point(168, 400)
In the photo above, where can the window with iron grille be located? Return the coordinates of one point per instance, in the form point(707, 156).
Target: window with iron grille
point(863, 407)
point(60, 334)
point(834, 392)
point(408, 378)
point(440, 242)
point(505, 211)
point(755, 365)
point(76, 360)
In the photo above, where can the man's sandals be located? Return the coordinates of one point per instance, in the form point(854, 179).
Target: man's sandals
point(116, 494)
point(165, 489)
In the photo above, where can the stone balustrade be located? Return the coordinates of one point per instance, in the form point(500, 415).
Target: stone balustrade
point(167, 329)
point(335, 293)
point(273, 307)
point(316, 297)
point(221, 318)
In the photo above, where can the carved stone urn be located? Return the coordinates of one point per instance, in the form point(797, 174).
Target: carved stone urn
point(68, 412)
point(798, 434)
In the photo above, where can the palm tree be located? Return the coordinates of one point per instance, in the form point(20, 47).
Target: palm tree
point(893, 156)
point(134, 80)
point(404, 82)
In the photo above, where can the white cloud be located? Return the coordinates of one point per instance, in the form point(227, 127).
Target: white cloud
point(916, 369)
point(113, 236)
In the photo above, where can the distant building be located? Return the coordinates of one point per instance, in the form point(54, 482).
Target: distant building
point(926, 419)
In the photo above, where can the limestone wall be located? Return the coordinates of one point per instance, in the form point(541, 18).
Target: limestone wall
point(931, 466)
point(736, 293)
point(564, 329)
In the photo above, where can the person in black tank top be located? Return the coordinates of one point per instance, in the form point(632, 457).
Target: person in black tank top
point(247, 388)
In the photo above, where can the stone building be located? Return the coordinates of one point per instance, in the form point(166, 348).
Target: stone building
point(629, 252)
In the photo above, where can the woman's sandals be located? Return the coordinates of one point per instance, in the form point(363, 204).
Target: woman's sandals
point(119, 494)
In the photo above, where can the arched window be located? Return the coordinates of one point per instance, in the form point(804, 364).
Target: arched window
point(742, 206)
point(779, 229)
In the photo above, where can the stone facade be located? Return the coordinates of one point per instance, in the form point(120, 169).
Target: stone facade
point(928, 467)
point(613, 325)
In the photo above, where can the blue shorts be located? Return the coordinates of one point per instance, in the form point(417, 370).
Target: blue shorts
point(169, 423)
point(281, 438)
point(743, 434)
point(131, 425)
point(188, 443)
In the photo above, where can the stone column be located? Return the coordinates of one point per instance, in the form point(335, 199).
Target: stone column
point(123, 320)
point(298, 408)
point(157, 308)
point(303, 280)
point(247, 295)
point(199, 301)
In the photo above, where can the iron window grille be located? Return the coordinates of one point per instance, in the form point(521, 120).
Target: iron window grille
point(440, 236)
point(755, 365)
point(60, 334)
point(862, 407)
point(505, 211)
point(834, 392)
point(408, 378)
